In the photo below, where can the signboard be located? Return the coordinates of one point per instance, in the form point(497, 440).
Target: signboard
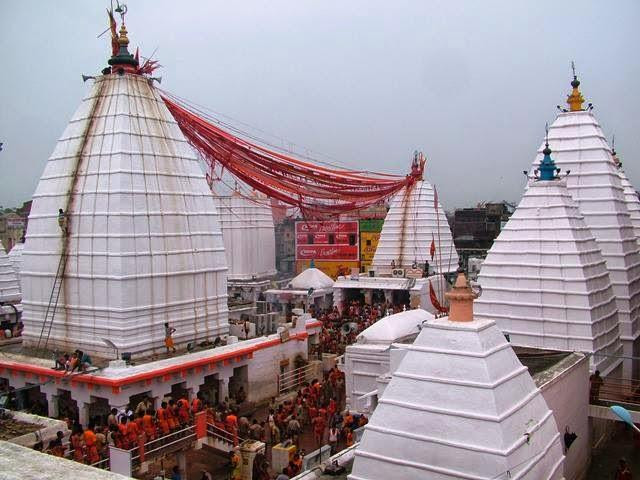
point(303, 226)
point(368, 244)
point(327, 241)
point(327, 252)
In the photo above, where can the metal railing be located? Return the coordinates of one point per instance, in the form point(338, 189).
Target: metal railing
point(294, 379)
point(160, 444)
point(619, 390)
point(223, 434)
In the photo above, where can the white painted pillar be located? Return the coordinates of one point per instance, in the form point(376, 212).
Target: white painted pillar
point(52, 405)
point(223, 386)
point(83, 413)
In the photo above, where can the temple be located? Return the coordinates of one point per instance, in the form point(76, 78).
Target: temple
point(594, 183)
point(123, 230)
point(414, 227)
point(630, 195)
point(460, 405)
point(9, 285)
point(249, 238)
point(544, 281)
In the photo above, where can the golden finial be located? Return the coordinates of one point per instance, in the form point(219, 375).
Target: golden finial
point(575, 100)
point(123, 40)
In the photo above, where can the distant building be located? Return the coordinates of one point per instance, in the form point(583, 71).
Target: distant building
point(474, 229)
point(286, 247)
point(12, 228)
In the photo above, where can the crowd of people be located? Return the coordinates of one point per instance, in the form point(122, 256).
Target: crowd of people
point(359, 316)
point(316, 408)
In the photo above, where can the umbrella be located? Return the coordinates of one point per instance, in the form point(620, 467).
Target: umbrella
point(624, 415)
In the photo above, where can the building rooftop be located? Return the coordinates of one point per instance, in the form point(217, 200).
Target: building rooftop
point(21, 463)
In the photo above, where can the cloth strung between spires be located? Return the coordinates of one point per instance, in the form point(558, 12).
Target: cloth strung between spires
point(318, 191)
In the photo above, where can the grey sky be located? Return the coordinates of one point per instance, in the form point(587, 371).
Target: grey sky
point(366, 82)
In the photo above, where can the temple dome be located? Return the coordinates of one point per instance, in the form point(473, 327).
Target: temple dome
point(394, 328)
point(412, 223)
point(460, 405)
point(594, 183)
point(545, 282)
point(9, 285)
point(249, 236)
point(144, 245)
point(311, 278)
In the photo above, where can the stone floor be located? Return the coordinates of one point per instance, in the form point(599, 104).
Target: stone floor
point(624, 444)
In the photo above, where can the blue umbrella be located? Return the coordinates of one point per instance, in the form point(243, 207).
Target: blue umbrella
point(624, 415)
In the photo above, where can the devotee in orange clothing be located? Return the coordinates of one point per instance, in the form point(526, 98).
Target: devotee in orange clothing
point(319, 425)
point(124, 429)
point(148, 426)
point(172, 415)
point(349, 437)
point(196, 404)
point(183, 411)
point(132, 433)
point(90, 443)
point(161, 416)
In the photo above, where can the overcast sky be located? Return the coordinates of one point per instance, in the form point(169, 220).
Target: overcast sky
point(365, 82)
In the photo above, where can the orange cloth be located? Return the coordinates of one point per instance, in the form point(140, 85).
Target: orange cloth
point(132, 432)
point(196, 405)
point(168, 342)
point(148, 427)
point(171, 418)
point(161, 415)
point(92, 450)
point(183, 410)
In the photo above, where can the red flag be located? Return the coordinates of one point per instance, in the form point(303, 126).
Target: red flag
point(435, 198)
point(432, 250)
point(434, 300)
point(137, 56)
point(115, 46)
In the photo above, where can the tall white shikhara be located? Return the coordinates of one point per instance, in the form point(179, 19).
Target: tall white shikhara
point(144, 244)
point(249, 235)
point(411, 225)
point(545, 282)
point(594, 183)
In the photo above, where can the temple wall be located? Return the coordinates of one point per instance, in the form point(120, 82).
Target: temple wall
point(567, 395)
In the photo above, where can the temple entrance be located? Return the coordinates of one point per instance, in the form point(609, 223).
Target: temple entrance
point(134, 400)
point(98, 410)
point(353, 295)
point(238, 383)
point(210, 389)
point(67, 406)
point(400, 298)
point(178, 391)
